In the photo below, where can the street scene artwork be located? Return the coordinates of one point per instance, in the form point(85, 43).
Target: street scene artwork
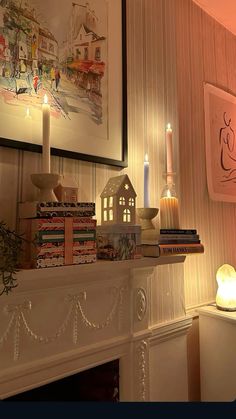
point(58, 48)
point(220, 131)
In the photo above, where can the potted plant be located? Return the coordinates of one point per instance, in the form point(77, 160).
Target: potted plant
point(10, 248)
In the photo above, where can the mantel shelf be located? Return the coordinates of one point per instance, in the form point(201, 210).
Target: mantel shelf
point(39, 278)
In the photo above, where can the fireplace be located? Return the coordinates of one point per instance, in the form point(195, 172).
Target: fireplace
point(64, 324)
point(100, 383)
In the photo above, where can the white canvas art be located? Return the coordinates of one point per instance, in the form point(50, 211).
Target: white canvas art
point(220, 137)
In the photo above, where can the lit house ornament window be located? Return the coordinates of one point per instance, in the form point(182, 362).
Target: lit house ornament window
point(131, 202)
point(110, 215)
point(226, 293)
point(126, 216)
point(122, 200)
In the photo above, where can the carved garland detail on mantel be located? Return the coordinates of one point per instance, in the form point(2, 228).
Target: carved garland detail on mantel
point(19, 320)
point(142, 372)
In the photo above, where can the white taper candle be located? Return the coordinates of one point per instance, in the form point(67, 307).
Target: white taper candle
point(146, 182)
point(169, 149)
point(46, 135)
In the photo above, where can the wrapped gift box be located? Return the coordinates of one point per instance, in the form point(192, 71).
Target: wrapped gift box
point(58, 241)
point(119, 242)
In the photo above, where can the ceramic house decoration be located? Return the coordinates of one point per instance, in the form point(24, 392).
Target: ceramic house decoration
point(67, 189)
point(118, 202)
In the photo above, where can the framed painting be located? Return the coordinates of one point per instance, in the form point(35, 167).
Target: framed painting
point(220, 140)
point(75, 54)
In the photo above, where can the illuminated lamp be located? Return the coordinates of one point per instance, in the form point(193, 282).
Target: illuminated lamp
point(226, 293)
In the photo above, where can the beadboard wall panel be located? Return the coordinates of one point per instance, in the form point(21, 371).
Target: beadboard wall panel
point(10, 184)
point(205, 53)
point(212, 209)
point(172, 48)
point(170, 304)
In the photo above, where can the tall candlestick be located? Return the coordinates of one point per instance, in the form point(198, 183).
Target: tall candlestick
point(46, 135)
point(169, 149)
point(146, 182)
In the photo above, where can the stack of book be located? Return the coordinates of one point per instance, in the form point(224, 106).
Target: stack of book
point(57, 233)
point(171, 242)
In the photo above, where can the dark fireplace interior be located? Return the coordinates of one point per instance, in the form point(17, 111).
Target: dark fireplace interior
point(96, 384)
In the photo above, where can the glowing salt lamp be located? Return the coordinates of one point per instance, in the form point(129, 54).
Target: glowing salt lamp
point(226, 293)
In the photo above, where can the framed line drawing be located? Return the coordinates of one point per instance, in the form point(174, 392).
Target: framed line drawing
point(75, 53)
point(220, 139)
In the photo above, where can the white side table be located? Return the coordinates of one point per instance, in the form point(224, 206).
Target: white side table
point(217, 354)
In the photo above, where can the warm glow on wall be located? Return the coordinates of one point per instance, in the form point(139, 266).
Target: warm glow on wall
point(226, 293)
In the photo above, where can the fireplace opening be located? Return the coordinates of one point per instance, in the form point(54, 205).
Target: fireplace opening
point(100, 383)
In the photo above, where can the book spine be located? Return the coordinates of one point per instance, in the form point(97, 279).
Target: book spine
point(178, 231)
point(180, 249)
point(179, 241)
point(178, 236)
point(56, 209)
point(66, 206)
point(64, 213)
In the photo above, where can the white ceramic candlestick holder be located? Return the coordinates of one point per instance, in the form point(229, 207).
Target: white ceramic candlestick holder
point(46, 182)
point(146, 216)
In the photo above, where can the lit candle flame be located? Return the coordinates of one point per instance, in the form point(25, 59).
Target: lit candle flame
point(45, 99)
point(168, 193)
point(146, 158)
point(168, 128)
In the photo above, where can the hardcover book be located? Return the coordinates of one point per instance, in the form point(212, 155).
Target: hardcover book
point(153, 238)
point(56, 209)
point(164, 240)
point(178, 231)
point(171, 249)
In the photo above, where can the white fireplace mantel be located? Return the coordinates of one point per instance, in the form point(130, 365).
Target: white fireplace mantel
point(60, 321)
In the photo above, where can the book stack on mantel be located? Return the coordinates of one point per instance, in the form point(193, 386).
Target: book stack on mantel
point(171, 242)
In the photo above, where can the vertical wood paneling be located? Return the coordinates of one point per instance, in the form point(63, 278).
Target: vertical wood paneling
point(185, 110)
point(83, 175)
point(155, 97)
point(172, 49)
point(220, 55)
point(135, 92)
point(198, 35)
point(167, 298)
point(31, 163)
point(230, 56)
point(212, 209)
point(9, 186)
point(187, 188)
point(230, 208)
point(197, 144)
